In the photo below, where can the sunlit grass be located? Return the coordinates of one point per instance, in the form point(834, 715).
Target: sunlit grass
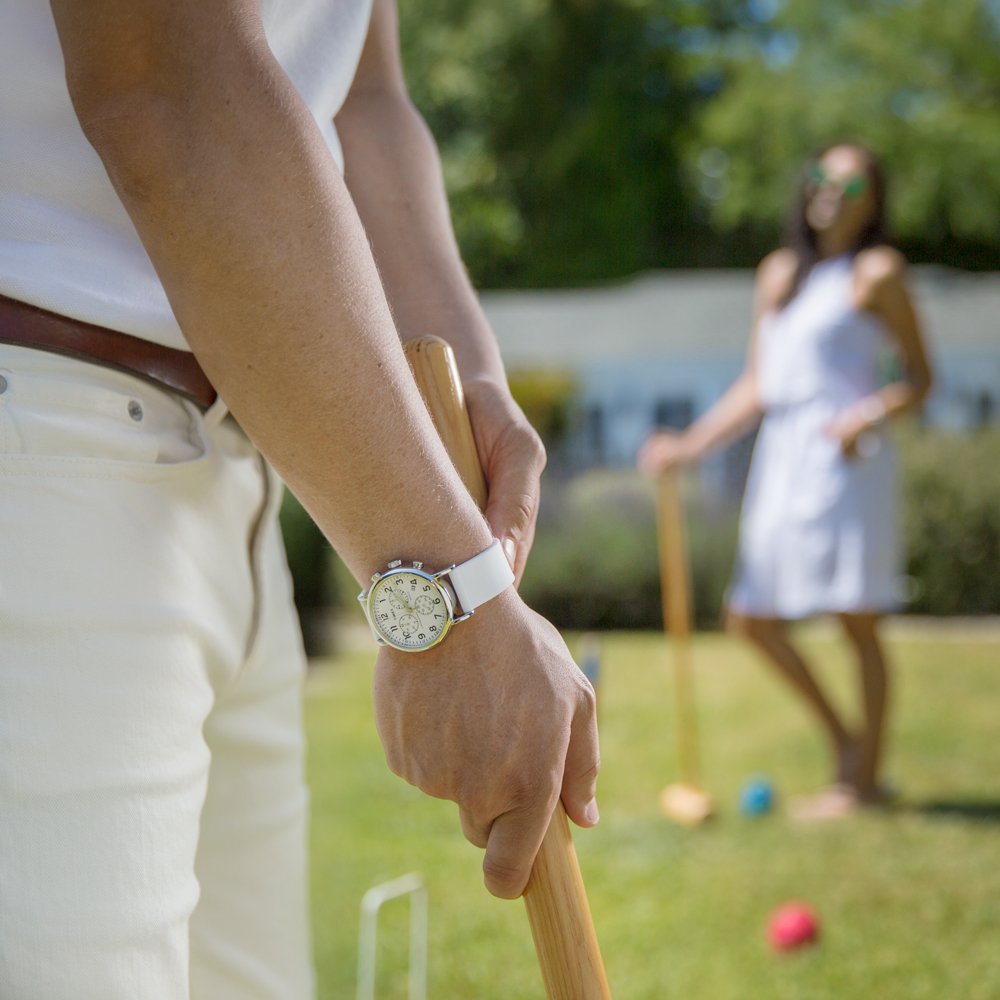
point(909, 900)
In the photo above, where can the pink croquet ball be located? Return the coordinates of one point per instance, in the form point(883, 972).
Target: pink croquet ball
point(792, 925)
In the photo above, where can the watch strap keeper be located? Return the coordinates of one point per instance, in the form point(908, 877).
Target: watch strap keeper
point(481, 578)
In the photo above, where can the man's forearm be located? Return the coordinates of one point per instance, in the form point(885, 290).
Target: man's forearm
point(394, 175)
point(248, 223)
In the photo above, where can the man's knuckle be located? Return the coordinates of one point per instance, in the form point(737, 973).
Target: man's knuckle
point(429, 781)
point(503, 873)
point(394, 761)
point(584, 706)
point(435, 788)
point(475, 801)
point(533, 449)
point(537, 447)
point(524, 440)
point(525, 506)
point(521, 791)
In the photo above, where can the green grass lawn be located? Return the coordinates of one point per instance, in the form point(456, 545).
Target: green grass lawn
point(909, 899)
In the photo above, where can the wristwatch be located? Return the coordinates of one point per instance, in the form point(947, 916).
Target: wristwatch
point(413, 609)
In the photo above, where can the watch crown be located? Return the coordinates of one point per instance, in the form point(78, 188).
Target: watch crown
point(418, 565)
point(395, 564)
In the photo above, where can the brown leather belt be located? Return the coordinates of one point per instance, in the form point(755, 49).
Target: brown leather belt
point(178, 371)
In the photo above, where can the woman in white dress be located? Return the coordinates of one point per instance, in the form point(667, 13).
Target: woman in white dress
point(818, 524)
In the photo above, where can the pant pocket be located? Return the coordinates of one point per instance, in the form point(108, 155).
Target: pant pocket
point(62, 414)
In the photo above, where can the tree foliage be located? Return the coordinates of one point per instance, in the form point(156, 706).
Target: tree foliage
point(453, 53)
point(916, 80)
point(588, 139)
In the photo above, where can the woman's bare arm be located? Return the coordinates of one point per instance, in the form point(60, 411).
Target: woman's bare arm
point(738, 410)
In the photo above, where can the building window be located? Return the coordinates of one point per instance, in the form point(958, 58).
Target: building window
point(675, 411)
point(594, 424)
point(982, 410)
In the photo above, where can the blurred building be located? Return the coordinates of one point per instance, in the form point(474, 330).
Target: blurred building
point(661, 349)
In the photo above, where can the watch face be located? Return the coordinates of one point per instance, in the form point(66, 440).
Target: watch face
point(409, 609)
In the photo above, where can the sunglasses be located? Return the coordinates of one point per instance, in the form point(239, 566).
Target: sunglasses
point(852, 186)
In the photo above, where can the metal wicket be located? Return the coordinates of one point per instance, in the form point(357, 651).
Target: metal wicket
point(411, 885)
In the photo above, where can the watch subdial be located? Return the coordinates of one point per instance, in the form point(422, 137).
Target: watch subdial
point(409, 624)
point(423, 605)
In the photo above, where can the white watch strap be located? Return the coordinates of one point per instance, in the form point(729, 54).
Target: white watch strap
point(481, 578)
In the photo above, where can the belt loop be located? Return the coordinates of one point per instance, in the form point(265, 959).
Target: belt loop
point(216, 413)
point(169, 367)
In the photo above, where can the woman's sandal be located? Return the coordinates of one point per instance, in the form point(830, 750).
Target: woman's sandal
point(837, 801)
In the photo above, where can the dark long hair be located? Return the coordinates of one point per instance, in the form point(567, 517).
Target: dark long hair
point(801, 237)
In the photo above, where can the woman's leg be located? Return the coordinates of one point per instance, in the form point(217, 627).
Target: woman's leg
point(770, 636)
point(862, 633)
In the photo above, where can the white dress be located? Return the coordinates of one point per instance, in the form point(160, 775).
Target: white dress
point(817, 530)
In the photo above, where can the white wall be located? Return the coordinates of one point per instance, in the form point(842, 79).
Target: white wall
point(683, 334)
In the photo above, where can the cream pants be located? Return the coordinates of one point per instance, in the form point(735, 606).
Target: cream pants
point(152, 807)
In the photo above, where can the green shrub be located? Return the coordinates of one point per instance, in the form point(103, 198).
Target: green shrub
point(951, 520)
point(548, 398)
point(594, 564)
point(309, 561)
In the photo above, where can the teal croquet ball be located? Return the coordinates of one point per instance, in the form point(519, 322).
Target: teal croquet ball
point(757, 797)
point(792, 925)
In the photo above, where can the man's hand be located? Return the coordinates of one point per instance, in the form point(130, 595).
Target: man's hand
point(513, 457)
point(500, 720)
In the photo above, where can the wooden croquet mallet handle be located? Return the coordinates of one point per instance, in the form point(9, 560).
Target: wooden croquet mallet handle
point(556, 900)
point(675, 592)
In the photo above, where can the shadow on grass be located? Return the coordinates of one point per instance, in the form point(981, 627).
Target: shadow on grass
point(971, 810)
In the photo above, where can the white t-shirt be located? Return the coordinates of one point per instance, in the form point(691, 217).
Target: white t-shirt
point(66, 242)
